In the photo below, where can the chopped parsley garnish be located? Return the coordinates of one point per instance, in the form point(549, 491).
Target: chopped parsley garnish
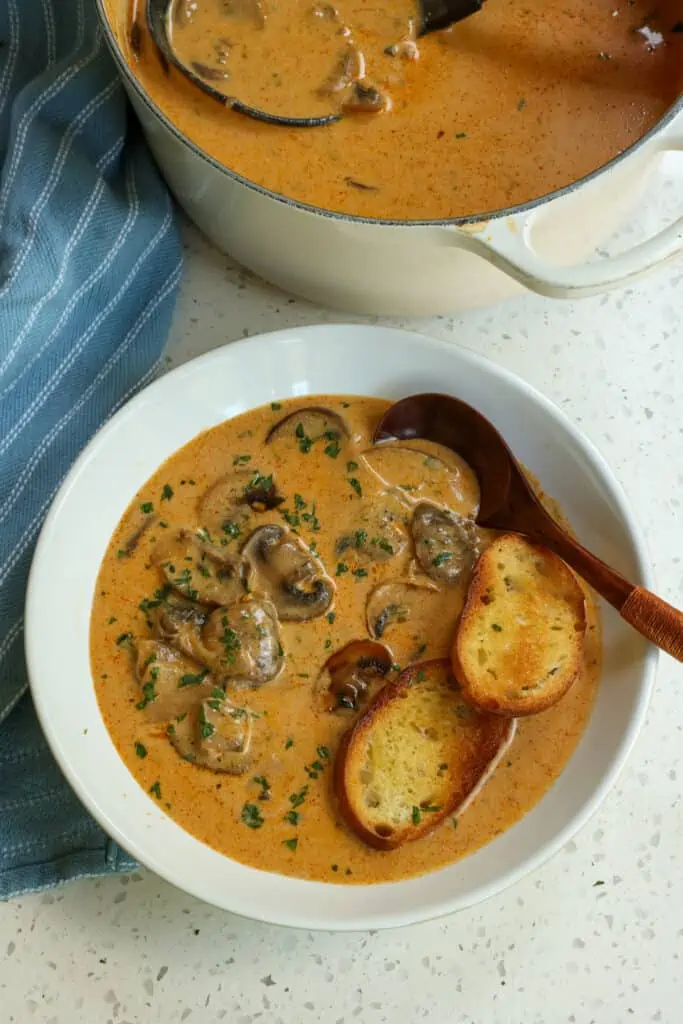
point(231, 528)
point(239, 460)
point(360, 573)
point(351, 467)
point(521, 103)
point(289, 742)
point(441, 558)
point(430, 808)
point(275, 406)
point(299, 502)
point(341, 569)
point(193, 680)
point(323, 752)
point(141, 750)
point(359, 538)
point(415, 815)
point(159, 597)
point(331, 616)
point(296, 799)
point(112, 620)
point(292, 817)
point(332, 449)
point(206, 728)
point(421, 676)
point(147, 507)
point(356, 486)
point(230, 640)
point(328, 644)
point(383, 544)
point(291, 844)
point(251, 816)
point(496, 628)
point(166, 492)
point(262, 781)
point(305, 442)
point(156, 789)
point(290, 517)
point(124, 639)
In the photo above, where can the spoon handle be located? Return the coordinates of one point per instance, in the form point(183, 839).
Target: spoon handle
point(660, 622)
point(653, 618)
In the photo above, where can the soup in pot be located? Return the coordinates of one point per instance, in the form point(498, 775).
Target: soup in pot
point(521, 99)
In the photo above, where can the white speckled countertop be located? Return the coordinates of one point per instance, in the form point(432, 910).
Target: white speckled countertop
point(594, 936)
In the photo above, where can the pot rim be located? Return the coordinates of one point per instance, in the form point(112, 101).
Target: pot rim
point(469, 219)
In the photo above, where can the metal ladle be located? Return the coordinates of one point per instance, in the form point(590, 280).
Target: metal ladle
point(434, 15)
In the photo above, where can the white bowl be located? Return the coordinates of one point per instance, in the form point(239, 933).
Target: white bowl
point(312, 360)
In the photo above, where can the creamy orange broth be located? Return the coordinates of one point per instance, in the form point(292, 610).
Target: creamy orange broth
point(294, 726)
point(521, 99)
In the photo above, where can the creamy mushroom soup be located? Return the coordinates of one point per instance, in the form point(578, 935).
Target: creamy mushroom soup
point(523, 98)
point(261, 588)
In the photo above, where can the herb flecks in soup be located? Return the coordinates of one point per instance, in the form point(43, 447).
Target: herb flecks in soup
point(261, 589)
point(523, 98)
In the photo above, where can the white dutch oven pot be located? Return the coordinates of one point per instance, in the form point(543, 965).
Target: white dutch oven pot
point(415, 268)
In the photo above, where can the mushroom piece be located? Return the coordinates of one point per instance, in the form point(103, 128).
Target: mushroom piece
point(179, 622)
point(349, 675)
point(285, 570)
point(241, 643)
point(394, 602)
point(350, 65)
point(419, 475)
point(227, 506)
point(446, 544)
point(380, 532)
point(170, 682)
point(215, 734)
point(365, 98)
point(200, 571)
point(310, 424)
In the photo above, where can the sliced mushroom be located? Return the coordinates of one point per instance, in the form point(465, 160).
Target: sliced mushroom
point(226, 508)
point(179, 622)
point(379, 532)
point(241, 643)
point(366, 98)
point(420, 474)
point(446, 544)
point(134, 538)
point(310, 424)
point(170, 682)
point(200, 571)
point(418, 620)
point(350, 65)
point(215, 734)
point(351, 673)
point(283, 568)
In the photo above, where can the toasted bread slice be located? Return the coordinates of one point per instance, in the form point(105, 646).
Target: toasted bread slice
point(519, 644)
point(417, 755)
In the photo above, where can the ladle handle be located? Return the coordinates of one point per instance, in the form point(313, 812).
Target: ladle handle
point(660, 622)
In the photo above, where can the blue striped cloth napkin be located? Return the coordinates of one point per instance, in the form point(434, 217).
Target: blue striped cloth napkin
point(90, 261)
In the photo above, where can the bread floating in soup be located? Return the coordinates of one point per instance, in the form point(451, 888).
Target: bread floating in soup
point(312, 658)
point(523, 98)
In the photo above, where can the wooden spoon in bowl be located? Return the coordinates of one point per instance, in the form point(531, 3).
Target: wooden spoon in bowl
point(507, 502)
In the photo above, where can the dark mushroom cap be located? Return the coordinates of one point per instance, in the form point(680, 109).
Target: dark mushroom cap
point(446, 544)
point(285, 570)
point(349, 673)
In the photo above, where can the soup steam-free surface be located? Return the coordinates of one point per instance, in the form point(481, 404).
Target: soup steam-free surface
point(331, 498)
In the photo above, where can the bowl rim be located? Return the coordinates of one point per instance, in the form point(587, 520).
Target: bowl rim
point(469, 219)
point(387, 919)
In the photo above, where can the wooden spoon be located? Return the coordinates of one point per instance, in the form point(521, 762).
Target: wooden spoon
point(509, 503)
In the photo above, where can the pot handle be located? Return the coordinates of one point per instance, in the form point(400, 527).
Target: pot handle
point(506, 243)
